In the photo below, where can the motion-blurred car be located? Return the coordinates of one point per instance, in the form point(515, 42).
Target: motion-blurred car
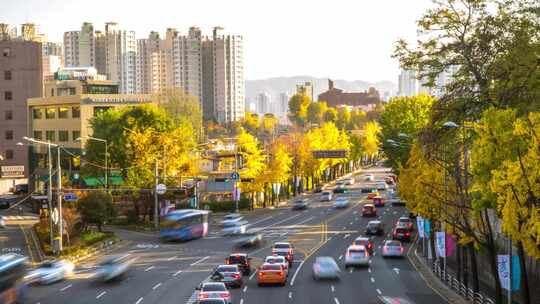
point(369, 210)
point(369, 177)
point(230, 275)
point(212, 301)
point(300, 204)
point(357, 256)
point(389, 180)
point(231, 218)
point(50, 272)
point(114, 267)
point(2, 222)
point(375, 228)
point(340, 182)
point(372, 195)
point(405, 221)
point(326, 196)
point(325, 268)
point(234, 228)
point(341, 189)
point(382, 186)
point(393, 248)
point(349, 181)
point(402, 233)
point(364, 241)
point(277, 259)
point(368, 189)
point(248, 239)
point(214, 290)
point(242, 260)
point(272, 274)
point(378, 201)
point(284, 249)
point(341, 203)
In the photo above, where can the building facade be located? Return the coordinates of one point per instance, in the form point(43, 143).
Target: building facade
point(21, 77)
point(335, 97)
point(407, 83)
point(264, 104)
point(284, 103)
point(305, 88)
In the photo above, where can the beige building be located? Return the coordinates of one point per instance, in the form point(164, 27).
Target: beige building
point(20, 79)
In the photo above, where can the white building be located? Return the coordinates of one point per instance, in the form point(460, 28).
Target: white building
point(410, 85)
point(407, 83)
point(187, 63)
point(284, 103)
point(79, 47)
point(264, 104)
point(120, 54)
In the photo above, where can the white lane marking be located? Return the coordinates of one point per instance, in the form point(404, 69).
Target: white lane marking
point(252, 275)
point(351, 270)
point(66, 288)
point(355, 212)
point(241, 301)
point(139, 300)
point(396, 270)
point(177, 273)
point(370, 260)
point(356, 219)
point(330, 238)
point(372, 280)
point(374, 254)
point(296, 272)
point(290, 294)
point(346, 236)
point(395, 212)
point(379, 247)
point(340, 257)
point(369, 270)
point(350, 223)
point(276, 223)
point(149, 268)
point(200, 261)
point(245, 289)
point(379, 291)
point(333, 288)
point(336, 300)
point(156, 286)
point(171, 258)
point(101, 295)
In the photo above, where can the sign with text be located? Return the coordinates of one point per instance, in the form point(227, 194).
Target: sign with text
point(331, 153)
point(12, 171)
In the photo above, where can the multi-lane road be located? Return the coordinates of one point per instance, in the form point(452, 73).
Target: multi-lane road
point(170, 272)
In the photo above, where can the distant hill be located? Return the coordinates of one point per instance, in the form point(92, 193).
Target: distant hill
point(275, 86)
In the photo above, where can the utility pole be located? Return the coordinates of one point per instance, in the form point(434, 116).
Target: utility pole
point(59, 198)
point(49, 192)
point(510, 270)
point(156, 203)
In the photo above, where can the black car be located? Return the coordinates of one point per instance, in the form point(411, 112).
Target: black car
point(300, 204)
point(375, 228)
point(242, 260)
point(7, 201)
point(341, 189)
point(212, 301)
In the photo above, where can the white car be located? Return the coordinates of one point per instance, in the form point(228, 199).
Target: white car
point(231, 218)
point(234, 228)
point(349, 181)
point(277, 259)
point(214, 290)
point(326, 196)
point(112, 268)
point(2, 222)
point(393, 249)
point(357, 256)
point(51, 271)
point(341, 203)
point(325, 268)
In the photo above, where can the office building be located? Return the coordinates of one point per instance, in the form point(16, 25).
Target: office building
point(335, 97)
point(21, 77)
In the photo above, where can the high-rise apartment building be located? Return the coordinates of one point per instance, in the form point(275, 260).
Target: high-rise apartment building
point(187, 63)
point(410, 85)
point(80, 47)
point(306, 88)
point(407, 83)
point(120, 55)
point(20, 78)
point(284, 103)
point(7, 31)
point(264, 104)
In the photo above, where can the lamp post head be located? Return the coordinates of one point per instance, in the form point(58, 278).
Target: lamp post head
point(19, 144)
point(391, 141)
point(450, 125)
point(403, 135)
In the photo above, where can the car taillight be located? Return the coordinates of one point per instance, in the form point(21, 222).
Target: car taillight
point(407, 233)
point(281, 273)
point(203, 296)
point(236, 276)
point(401, 249)
point(385, 249)
point(224, 295)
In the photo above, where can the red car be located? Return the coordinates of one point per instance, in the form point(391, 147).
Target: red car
point(369, 210)
point(402, 233)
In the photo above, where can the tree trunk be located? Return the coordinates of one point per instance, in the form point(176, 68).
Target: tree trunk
point(492, 253)
point(474, 268)
point(525, 292)
point(459, 264)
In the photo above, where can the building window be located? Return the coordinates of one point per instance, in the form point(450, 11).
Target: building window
point(72, 91)
point(50, 113)
point(7, 75)
point(49, 135)
point(63, 136)
point(63, 112)
point(6, 52)
point(52, 92)
point(37, 113)
point(9, 135)
point(8, 115)
point(75, 112)
point(9, 154)
point(38, 135)
point(75, 135)
point(8, 95)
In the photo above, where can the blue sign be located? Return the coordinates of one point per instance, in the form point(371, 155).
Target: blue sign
point(70, 197)
point(235, 176)
point(427, 230)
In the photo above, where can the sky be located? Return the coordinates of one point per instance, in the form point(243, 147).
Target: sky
point(340, 39)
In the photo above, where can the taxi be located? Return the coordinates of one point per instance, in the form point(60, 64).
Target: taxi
point(373, 195)
point(272, 274)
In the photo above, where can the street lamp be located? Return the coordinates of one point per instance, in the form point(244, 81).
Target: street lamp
point(49, 192)
point(106, 155)
point(403, 135)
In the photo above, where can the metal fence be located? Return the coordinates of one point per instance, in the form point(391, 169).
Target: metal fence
point(458, 286)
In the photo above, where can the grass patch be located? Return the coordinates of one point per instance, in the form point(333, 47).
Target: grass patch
point(91, 237)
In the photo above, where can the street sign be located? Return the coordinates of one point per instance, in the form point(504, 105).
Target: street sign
point(235, 176)
point(161, 189)
point(331, 153)
point(12, 171)
point(70, 197)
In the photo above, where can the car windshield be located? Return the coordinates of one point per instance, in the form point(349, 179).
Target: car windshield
point(282, 246)
point(237, 259)
point(281, 253)
point(326, 263)
point(393, 244)
point(327, 193)
point(227, 269)
point(401, 230)
point(360, 242)
point(404, 220)
point(275, 260)
point(212, 301)
point(47, 265)
point(214, 287)
point(271, 267)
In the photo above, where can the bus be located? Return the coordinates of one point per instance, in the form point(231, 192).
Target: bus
point(184, 225)
point(13, 268)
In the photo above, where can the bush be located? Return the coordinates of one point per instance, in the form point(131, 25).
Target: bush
point(226, 206)
point(96, 208)
point(92, 237)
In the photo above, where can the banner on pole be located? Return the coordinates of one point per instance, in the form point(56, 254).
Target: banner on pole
point(420, 224)
point(440, 244)
point(427, 230)
point(503, 267)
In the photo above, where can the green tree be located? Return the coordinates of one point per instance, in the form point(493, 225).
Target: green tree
point(358, 119)
point(315, 113)
point(298, 105)
point(343, 117)
point(96, 208)
point(331, 115)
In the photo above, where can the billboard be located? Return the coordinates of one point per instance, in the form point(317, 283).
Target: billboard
point(12, 171)
point(331, 153)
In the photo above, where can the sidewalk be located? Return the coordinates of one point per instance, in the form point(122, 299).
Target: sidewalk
point(422, 267)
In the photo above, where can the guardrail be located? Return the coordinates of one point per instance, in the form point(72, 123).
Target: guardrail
point(459, 287)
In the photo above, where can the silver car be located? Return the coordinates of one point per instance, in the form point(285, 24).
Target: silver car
point(2, 222)
point(50, 272)
point(231, 218)
point(357, 256)
point(326, 196)
point(325, 268)
point(234, 228)
point(393, 249)
point(341, 203)
point(113, 267)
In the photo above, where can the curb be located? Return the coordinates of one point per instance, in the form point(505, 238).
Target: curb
point(431, 280)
